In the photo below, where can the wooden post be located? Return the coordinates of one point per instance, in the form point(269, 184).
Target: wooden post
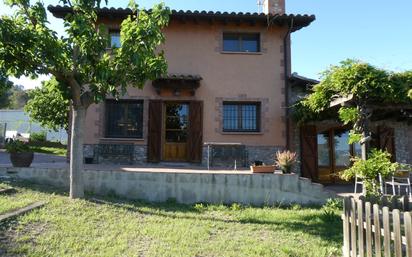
point(386, 233)
point(377, 226)
point(363, 126)
point(407, 219)
point(346, 226)
point(397, 232)
point(368, 217)
point(353, 228)
point(361, 243)
point(364, 147)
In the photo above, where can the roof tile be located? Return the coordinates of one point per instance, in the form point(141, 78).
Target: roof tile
point(299, 21)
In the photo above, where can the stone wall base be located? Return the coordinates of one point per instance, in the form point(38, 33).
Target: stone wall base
point(220, 156)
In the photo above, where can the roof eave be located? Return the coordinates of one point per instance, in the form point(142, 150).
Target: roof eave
point(299, 21)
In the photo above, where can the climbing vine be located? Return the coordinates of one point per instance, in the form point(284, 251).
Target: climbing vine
point(364, 84)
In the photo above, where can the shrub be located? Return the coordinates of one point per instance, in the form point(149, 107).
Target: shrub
point(38, 137)
point(16, 146)
point(379, 162)
point(331, 208)
point(285, 160)
point(236, 207)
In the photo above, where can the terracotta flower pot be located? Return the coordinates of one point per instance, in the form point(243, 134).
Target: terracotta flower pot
point(263, 169)
point(21, 159)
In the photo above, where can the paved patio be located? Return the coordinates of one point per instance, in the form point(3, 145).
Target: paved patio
point(342, 190)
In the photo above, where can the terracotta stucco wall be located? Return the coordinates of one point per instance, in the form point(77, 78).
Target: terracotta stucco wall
point(196, 49)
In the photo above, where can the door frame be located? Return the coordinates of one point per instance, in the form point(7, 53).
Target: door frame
point(333, 168)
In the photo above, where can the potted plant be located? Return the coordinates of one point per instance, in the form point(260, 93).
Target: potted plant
point(285, 161)
point(20, 153)
point(260, 167)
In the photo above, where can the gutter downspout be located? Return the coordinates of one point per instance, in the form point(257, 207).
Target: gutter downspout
point(286, 71)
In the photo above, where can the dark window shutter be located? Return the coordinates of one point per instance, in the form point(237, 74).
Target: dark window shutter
point(387, 140)
point(195, 139)
point(154, 131)
point(309, 152)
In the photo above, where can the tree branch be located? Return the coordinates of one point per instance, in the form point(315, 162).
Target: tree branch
point(26, 11)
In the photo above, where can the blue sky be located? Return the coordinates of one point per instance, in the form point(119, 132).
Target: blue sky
point(379, 32)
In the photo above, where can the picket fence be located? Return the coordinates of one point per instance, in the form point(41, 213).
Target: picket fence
point(379, 227)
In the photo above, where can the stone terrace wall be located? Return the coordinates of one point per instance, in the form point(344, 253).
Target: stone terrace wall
point(188, 188)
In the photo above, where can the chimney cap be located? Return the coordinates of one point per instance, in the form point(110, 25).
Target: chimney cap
point(274, 7)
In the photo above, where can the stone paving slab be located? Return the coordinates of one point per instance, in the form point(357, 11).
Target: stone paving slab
point(7, 191)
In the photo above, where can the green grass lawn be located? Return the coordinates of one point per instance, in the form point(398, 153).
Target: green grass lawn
point(60, 151)
point(10, 202)
point(129, 228)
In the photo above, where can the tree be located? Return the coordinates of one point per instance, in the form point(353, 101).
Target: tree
point(80, 61)
point(18, 97)
point(5, 85)
point(13, 96)
point(49, 105)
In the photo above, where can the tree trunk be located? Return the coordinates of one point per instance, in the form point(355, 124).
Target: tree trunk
point(76, 152)
point(363, 126)
point(69, 135)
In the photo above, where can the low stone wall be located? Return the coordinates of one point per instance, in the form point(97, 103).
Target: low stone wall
point(219, 156)
point(188, 188)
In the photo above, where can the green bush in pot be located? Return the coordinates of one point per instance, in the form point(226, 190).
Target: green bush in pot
point(20, 153)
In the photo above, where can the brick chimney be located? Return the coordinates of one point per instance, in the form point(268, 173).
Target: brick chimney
point(274, 7)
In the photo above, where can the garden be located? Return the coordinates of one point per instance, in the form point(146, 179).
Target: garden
point(110, 226)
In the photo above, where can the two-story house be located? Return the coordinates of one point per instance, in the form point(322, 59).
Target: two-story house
point(224, 98)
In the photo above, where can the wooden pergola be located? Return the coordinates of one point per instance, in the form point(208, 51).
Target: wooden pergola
point(372, 111)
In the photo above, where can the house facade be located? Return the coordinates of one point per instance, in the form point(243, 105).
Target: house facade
point(222, 102)
point(226, 100)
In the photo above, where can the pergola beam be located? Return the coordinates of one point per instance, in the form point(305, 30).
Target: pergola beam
point(341, 101)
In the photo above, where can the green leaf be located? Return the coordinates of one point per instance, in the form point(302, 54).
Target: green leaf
point(348, 114)
point(354, 137)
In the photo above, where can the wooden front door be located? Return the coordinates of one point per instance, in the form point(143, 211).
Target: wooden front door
point(309, 161)
point(175, 131)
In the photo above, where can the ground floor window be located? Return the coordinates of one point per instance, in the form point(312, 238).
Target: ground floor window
point(334, 149)
point(334, 152)
point(177, 122)
point(241, 117)
point(124, 119)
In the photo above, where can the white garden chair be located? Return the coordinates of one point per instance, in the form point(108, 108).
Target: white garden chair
point(358, 181)
point(401, 180)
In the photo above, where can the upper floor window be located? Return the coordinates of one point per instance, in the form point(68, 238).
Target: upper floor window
point(241, 42)
point(114, 39)
point(241, 117)
point(124, 119)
